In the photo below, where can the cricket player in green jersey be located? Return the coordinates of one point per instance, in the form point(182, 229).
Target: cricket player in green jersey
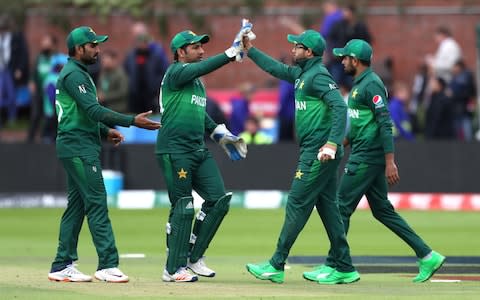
point(371, 165)
point(320, 120)
point(185, 161)
point(81, 123)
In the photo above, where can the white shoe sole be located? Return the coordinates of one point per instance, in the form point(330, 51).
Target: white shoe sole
point(67, 279)
point(204, 274)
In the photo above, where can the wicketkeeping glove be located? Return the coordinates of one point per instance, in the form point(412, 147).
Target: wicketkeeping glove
point(237, 46)
point(234, 146)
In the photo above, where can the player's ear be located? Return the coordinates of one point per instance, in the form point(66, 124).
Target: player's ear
point(182, 52)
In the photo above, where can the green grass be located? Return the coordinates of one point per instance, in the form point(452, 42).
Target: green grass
point(28, 240)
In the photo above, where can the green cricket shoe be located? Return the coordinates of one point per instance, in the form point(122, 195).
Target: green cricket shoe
point(337, 277)
point(428, 267)
point(319, 272)
point(266, 272)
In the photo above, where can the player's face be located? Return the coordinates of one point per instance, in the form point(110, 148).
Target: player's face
point(349, 65)
point(192, 53)
point(299, 52)
point(89, 53)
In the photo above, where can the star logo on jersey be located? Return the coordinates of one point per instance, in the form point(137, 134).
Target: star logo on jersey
point(298, 174)
point(302, 84)
point(378, 101)
point(182, 174)
point(355, 93)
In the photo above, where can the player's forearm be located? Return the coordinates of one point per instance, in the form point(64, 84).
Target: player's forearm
point(339, 117)
point(194, 70)
point(209, 124)
point(270, 65)
point(109, 117)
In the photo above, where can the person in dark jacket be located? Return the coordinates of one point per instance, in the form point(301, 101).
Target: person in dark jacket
point(439, 118)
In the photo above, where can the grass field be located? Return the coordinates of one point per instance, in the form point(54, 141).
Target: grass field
point(28, 242)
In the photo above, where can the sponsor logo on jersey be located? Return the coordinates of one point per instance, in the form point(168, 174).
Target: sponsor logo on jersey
point(353, 113)
point(198, 100)
point(378, 101)
point(300, 105)
point(332, 86)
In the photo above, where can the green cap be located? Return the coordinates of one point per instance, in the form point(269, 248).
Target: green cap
point(82, 35)
point(355, 48)
point(311, 39)
point(187, 37)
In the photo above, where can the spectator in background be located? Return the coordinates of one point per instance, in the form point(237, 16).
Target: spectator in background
point(253, 134)
point(113, 83)
point(215, 111)
point(345, 29)
point(14, 66)
point(448, 52)
point(399, 111)
point(385, 71)
point(43, 66)
point(49, 93)
point(463, 91)
point(332, 14)
point(145, 65)
point(240, 107)
point(286, 111)
point(439, 117)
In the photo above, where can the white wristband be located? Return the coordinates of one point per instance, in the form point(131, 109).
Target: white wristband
point(327, 151)
point(231, 52)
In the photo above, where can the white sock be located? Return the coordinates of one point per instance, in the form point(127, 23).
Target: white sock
point(428, 255)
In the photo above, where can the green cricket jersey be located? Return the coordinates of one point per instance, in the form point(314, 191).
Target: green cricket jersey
point(81, 118)
point(183, 102)
point(370, 134)
point(320, 112)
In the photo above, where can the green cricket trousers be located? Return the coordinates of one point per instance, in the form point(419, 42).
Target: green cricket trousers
point(361, 179)
point(184, 172)
point(314, 184)
point(86, 197)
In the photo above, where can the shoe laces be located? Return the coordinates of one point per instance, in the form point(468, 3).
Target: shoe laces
point(113, 271)
point(70, 269)
point(201, 262)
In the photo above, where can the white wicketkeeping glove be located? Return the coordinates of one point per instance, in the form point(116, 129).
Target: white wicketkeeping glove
point(234, 146)
point(236, 50)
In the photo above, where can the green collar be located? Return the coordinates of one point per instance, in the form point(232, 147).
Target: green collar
point(362, 75)
point(79, 63)
point(307, 63)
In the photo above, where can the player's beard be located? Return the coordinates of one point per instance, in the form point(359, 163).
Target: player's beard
point(89, 60)
point(350, 70)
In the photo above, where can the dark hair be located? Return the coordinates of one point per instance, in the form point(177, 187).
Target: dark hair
point(444, 30)
point(71, 51)
point(175, 55)
point(441, 82)
point(366, 63)
point(460, 63)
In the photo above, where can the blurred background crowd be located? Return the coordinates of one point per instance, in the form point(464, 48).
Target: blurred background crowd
point(435, 100)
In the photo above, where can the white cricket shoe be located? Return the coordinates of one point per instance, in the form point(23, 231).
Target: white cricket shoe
point(182, 275)
point(69, 274)
point(200, 268)
point(111, 275)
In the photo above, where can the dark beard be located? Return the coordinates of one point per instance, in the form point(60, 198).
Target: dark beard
point(89, 60)
point(351, 72)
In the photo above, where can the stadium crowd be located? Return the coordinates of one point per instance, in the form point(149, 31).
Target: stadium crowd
point(438, 103)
